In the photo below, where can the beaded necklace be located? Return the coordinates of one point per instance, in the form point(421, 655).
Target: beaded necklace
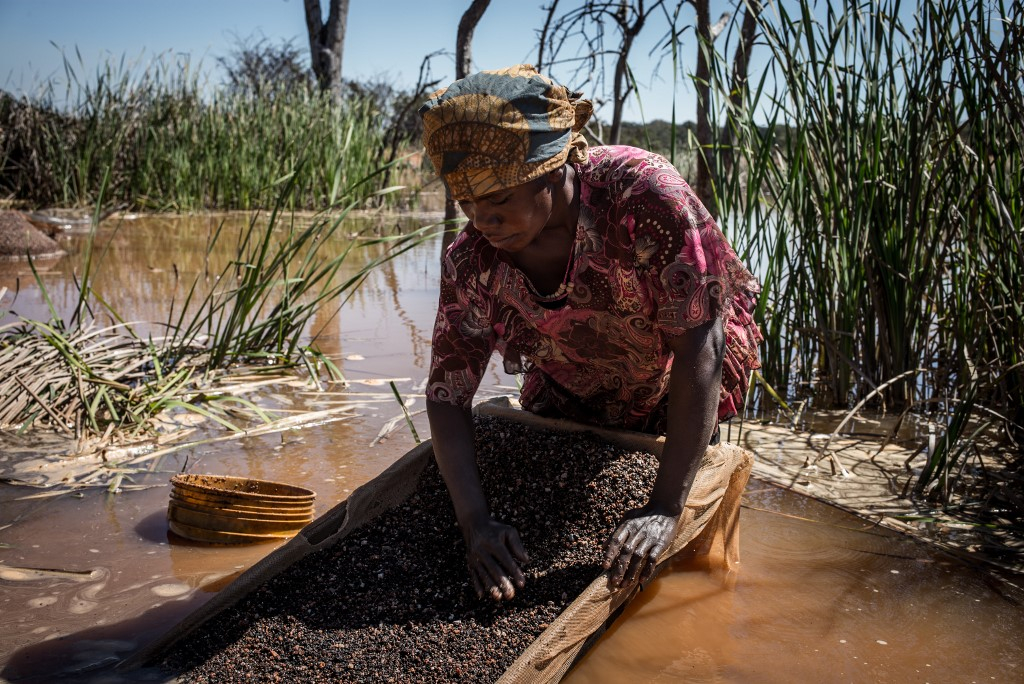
point(563, 288)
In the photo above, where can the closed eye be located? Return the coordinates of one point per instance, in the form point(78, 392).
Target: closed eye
point(496, 198)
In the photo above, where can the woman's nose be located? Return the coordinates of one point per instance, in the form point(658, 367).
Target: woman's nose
point(483, 217)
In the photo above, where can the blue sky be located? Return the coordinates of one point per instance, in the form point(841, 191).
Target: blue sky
point(386, 38)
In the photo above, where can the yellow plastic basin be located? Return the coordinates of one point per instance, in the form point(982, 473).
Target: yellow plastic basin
point(235, 510)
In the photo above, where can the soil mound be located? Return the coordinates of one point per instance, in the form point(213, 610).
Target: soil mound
point(19, 239)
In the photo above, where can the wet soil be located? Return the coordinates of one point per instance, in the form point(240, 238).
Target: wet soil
point(393, 601)
point(19, 238)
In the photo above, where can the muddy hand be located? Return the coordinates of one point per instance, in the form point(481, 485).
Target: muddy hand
point(493, 556)
point(632, 552)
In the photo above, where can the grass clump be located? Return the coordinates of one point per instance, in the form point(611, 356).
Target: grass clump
point(871, 174)
point(173, 143)
point(88, 379)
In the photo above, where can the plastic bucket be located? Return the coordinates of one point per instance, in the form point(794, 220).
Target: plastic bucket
point(202, 534)
point(264, 513)
point(233, 523)
point(241, 489)
point(234, 510)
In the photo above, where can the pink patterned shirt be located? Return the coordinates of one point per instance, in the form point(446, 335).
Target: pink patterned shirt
point(648, 263)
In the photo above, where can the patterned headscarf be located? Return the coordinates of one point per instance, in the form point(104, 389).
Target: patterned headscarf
point(498, 129)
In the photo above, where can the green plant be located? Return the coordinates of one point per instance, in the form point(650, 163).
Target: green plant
point(88, 380)
point(871, 176)
point(170, 141)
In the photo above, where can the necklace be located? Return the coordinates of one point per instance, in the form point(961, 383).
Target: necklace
point(563, 288)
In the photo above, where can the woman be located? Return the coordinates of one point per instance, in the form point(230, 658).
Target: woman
point(596, 273)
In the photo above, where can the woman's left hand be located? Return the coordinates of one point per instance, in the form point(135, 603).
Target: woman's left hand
point(632, 551)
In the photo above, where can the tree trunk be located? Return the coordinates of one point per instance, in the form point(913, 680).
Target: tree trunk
point(621, 87)
point(326, 43)
point(738, 89)
point(463, 65)
point(704, 184)
point(464, 38)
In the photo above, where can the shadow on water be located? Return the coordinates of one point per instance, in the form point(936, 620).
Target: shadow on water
point(91, 655)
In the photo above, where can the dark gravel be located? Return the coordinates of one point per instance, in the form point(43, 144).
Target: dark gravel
point(393, 602)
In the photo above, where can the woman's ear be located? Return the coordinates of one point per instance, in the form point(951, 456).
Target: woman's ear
point(554, 178)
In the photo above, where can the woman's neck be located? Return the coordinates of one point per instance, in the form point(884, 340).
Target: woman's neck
point(545, 262)
point(566, 210)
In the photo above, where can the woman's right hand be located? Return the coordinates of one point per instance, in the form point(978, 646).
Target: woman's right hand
point(493, 550)
point(493, 555)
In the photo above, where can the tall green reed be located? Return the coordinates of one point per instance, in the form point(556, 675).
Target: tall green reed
point(872, 173)
point(262, 302)
point(257, 312)
point(173, 142)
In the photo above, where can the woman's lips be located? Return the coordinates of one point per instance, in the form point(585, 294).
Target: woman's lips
point(500, 241)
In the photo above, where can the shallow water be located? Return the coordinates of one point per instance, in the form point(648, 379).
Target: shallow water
point(821, 596)
point(816, 597)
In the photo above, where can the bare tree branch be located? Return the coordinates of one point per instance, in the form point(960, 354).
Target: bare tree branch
point(586, 25)
point(552, 8)
point(464, 38)
point(397, 131)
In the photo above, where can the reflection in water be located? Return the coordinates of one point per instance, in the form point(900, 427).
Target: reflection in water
point(814, 601)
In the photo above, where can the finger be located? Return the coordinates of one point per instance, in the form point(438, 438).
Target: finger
point(492, 589)
point(508, 591)
point(640, 560)
point(507, 565)
point(652, 563)
point(500, 586)
point(477, 584)
point(636, 564)
point(515, 546)
point(618, 568)
point(484, 580)
point(613, 546)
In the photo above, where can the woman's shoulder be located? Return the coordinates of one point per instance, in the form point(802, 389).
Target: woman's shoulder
point(643, 191)
point(466, 256)
point(608, 164)
point(623, 175)
point(634, 180)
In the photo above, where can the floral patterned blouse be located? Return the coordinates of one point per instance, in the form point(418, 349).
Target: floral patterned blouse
point(648, 263)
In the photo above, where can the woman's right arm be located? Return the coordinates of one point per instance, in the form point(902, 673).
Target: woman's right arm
point(493, 550)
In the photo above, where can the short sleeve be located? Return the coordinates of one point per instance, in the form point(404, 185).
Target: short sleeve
point(463, 337)
point(691, 271)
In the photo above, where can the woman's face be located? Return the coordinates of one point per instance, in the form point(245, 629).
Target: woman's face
point(511, 219)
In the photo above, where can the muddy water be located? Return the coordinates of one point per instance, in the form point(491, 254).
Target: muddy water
point(115, 576)
point(87, 579)
point(821, 596)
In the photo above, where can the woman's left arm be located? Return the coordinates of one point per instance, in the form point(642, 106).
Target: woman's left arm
point(694, 386)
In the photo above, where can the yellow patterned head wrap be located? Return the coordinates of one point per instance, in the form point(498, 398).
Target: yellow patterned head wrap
point(498, 129)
